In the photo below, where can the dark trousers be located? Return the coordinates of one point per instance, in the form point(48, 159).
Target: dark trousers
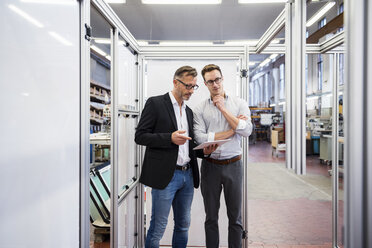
point(214, 178)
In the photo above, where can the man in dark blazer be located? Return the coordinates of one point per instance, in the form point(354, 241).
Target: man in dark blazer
point(170, 166)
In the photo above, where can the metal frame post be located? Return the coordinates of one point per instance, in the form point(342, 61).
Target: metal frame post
point(288, 86)
point(335, 150)
point(84, 125)
point(245, 96)
point(358, 136)
point(114, 236)
point(299, 87)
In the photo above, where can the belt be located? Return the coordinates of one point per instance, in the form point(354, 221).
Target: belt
point(183, 167)
point(224, 161)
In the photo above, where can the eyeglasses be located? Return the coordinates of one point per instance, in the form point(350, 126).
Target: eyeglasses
point(189, 86)
point(217, 81)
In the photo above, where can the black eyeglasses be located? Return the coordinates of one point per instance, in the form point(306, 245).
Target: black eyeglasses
point(217, 81)
point(189, 86)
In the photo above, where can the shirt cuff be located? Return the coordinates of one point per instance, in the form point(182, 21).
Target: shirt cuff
point(211, 136)
point(241, 125)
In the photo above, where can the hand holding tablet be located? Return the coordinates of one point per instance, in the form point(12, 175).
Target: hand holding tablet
point(208, 143)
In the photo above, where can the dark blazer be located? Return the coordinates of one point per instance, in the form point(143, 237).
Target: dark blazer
point(154, 131)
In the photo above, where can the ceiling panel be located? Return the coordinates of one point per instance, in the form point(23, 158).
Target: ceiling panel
point(226, 21)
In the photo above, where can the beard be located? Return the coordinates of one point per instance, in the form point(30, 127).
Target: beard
point(186, 97)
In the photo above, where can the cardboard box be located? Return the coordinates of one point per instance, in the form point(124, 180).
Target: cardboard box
point(280, 131)
point(274, 138)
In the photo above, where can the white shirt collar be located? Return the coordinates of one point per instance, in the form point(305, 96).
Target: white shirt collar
point(174, 101)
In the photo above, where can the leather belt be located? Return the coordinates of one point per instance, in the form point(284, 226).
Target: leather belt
point(183, 167)
point(224, 161)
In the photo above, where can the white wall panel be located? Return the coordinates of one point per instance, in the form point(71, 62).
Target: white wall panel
point(39, 101)
point(160, 77)
point(159, 81)
point(128, 219)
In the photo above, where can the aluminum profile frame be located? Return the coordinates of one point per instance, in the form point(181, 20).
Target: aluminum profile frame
point(223, 52)
point(333, 42)
point(114, 225)
point(288, 85)
point(84, 234)
point(335, 150)
point(191, 51)
point(358, 136)
point(115, 21)
point(244, 85)
point(299, 85)
point(271, 32)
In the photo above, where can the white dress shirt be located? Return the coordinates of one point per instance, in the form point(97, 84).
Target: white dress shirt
point(183, 151)
point(209, 120)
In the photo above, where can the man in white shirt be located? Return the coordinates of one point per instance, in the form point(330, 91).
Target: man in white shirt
point(222, 117)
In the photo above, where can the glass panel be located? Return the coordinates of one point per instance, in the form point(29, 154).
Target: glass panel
point(319, 95)
point(126, 152)
point(128, 221)
point(99, 203)
point(267, 83)
point(341, 192)
point(127, 77)
point(40, 119)
point(100, 125)
point(127, 95)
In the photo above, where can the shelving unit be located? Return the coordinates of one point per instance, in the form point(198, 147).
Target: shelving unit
point(259, 132)
point(99, 96)
point(100, 99)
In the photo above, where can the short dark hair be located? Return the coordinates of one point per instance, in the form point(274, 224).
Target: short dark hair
point(185, 71)
point(209, 68)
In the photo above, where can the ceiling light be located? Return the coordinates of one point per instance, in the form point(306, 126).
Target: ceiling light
point(108, 57)
point(26, 16)
point(273, 56)
point(59, 2)
point(98, 50)
point(282, 103)
point(262, 1)
point(102, 41)
point(241, 42)
point(115, 1)
point(181, 1)
point(185, 43)
point(263, 63)
point(252, 63)
point(275, 41)
point(319, 14)
point(106, 41)
point(142, 42)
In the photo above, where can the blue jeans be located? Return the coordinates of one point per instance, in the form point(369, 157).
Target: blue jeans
point(178, 194)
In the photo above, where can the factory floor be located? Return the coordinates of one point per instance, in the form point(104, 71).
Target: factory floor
point(284, 209)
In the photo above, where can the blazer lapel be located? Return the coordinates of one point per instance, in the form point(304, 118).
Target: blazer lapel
point(190, 121)
point(168, 104)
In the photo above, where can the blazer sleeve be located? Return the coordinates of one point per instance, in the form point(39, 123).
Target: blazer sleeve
point(146, 134)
